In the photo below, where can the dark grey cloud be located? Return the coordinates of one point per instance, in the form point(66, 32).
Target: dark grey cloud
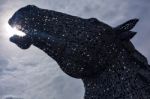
point(31, 74)
point(11, 97)
point(3, 65)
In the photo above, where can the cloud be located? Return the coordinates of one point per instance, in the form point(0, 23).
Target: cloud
point(3, 65)
point(11, 97)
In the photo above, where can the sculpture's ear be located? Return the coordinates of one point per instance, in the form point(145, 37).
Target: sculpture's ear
point(123, 31)
point(126, 35)
point(126, 26)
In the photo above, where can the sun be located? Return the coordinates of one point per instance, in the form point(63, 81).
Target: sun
point(13, 31)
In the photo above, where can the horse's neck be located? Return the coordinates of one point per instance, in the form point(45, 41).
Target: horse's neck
point(120, 79)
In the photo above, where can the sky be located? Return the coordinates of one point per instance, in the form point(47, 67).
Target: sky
point(31, 74)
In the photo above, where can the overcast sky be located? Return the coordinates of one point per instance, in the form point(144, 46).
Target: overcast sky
point(31, 74)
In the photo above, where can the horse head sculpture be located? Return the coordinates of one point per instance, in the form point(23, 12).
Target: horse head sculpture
point(88, 49)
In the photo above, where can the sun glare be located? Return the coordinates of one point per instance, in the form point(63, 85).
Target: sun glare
point(13, 31)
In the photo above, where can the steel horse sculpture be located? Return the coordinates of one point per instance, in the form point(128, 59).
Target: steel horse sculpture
point(88, 49)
